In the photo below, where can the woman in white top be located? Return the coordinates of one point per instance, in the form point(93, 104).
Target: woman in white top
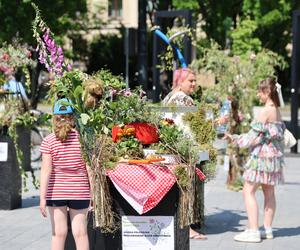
point(184, 84)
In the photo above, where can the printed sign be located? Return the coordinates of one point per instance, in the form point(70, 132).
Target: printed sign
point(3, 151)
point(148, 232)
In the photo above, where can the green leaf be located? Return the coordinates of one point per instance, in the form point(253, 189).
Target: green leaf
point(78, 92)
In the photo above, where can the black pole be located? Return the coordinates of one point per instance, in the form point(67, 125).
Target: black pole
point(295, 76)
point(142, 46)
point(155, 71)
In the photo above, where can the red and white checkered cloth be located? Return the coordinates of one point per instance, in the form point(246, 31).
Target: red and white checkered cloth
point(144, 185)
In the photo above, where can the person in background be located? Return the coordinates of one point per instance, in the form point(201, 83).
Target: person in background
point(265, 165)
point(184, 84)
point(15, 87)
point(64, 182)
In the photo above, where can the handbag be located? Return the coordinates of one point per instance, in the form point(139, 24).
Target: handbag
point(289, 139)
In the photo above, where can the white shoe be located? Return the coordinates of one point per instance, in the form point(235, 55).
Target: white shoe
point(266, 234)
point(248, 236)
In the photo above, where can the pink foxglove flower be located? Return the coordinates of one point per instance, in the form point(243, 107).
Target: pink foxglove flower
point(50, 54)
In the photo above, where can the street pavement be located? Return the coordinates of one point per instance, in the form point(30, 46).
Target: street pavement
point(25, 228)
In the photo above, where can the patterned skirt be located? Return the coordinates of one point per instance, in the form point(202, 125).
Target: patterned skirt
point(264, 170)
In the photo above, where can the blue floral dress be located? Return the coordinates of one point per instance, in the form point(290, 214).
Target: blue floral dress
point(265, 142)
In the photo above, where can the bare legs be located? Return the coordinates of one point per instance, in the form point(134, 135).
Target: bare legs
point(252, 207)
point(251, 204)
point(58, 217)
point(269, 206)
point(59, 224)
point(79, 228)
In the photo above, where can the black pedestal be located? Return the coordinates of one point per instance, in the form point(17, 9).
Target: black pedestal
point(107, 241)
point(10, 178)
point(24, 138)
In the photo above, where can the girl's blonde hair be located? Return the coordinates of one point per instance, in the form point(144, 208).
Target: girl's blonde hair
point(180, 75)
point(62, 125)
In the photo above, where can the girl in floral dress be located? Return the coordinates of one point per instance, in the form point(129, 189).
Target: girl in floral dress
point(265, 165)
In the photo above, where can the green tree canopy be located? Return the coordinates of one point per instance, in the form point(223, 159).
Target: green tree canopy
point(243, 40)
point(61, 15)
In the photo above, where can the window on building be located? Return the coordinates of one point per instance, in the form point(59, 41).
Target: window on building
point(115, 8)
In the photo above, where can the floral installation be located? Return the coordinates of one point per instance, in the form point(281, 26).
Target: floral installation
point(109, 120)
point(16, 58)
point(100, 101)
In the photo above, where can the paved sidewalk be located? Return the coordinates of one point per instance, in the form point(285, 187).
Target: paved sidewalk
point(225, 216)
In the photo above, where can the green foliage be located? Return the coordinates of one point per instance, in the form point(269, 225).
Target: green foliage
point(110, 80)
point(129, 148)
point(15, 57)
point(182, 176)
point(243, 39)
point(187, 4)
point(64, 16)
point(217, 15)
point(204, 134)
point(169, 135)
point(174, 141)
point(202, 128)
point(273, 20)
point(209, 167)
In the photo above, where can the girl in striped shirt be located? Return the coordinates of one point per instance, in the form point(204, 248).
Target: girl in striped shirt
point(64, 180)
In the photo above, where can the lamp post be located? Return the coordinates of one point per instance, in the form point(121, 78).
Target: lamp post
point(295, 76)
point(130, 21)
point(142, 45)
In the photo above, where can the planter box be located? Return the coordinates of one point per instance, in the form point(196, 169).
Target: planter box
point(113, 241)
point(11, 182)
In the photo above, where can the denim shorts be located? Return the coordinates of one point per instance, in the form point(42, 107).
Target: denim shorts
point(74, 204)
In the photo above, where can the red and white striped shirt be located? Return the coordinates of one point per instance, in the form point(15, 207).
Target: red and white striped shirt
point(68, 178)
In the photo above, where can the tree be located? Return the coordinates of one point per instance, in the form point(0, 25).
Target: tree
point(219, 17)
point(243, 40)
point(187, 4)
point(64, 17)
point(273, 19)
point(17, 16)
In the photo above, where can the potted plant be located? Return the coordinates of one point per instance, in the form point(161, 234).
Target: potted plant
point(15, 116)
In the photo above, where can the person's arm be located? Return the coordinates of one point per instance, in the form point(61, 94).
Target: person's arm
point(254, 136)
point(90, 176)
point(44, 179)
